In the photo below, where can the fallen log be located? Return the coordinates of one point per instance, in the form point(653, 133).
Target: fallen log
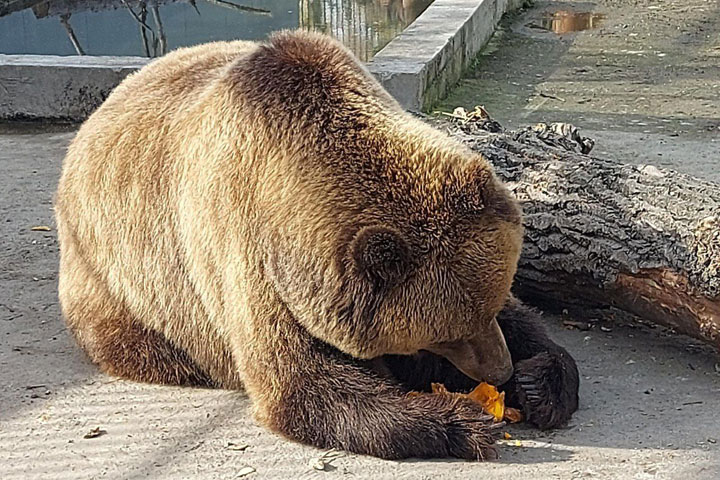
point(599, 233)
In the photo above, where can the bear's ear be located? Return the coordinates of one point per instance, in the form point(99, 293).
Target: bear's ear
point(381, 254)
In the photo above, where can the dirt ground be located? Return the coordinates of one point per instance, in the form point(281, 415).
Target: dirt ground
point(649, 400)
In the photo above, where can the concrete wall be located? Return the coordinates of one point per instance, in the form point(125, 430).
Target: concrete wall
point(59, 88)
point(418, 67)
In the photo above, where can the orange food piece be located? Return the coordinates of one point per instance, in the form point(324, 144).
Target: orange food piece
point(439, 389)
point(488, 397)
point(492, 401)
point(513, 415)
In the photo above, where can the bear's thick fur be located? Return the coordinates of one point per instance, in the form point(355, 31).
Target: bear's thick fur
point(265, 216)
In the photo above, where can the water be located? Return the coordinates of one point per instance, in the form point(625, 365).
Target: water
point(565, 21)
point(151, 28)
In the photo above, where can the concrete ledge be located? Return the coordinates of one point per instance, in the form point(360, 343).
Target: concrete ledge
point(59, 88)
point(420, 65)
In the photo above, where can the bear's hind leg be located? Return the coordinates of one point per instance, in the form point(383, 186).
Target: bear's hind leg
point(126, 349)
point(118, 343)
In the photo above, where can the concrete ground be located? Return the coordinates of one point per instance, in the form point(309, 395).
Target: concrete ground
point(649, 399)
point(645, 84)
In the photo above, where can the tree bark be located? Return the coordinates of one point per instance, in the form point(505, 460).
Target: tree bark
point(640, 238)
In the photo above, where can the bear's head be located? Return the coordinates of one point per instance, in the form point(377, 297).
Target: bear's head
point(436, 279)
point(380, 234)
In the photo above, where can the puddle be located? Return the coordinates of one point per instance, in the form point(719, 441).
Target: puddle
point(566, 21)
point(151, 28)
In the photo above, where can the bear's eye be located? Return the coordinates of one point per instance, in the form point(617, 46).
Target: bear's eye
point(381, 254)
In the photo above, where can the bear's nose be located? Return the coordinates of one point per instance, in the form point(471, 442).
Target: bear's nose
point(484, 357)
point(499, 375)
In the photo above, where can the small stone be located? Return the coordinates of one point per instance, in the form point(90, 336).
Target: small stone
point(95, 432)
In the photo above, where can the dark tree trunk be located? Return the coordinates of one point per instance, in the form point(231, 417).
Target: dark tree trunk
point(640, 238)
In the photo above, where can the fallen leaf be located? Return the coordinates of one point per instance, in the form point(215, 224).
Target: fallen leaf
point(245, 471)
point(507, 436)
point(95, 432)
point(41, 228)
point(323, 462)
point(584, 326)
point(194, 447)
point(237, 446)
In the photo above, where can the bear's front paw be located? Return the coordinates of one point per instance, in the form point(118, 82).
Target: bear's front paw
point(470, 432)
point(546, 387)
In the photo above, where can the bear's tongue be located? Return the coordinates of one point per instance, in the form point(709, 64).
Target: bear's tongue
point(484, 358)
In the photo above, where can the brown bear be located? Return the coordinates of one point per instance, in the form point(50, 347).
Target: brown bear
point(265, 216)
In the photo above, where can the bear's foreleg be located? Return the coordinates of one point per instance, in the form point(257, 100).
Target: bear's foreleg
point(312, 393)
point(545, 382)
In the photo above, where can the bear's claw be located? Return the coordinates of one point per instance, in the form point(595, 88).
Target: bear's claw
point(546, 387)
point(472, 433)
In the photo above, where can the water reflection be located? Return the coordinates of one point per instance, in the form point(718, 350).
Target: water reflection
point(361, 25)
point(151, 28)
point(565, 21)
